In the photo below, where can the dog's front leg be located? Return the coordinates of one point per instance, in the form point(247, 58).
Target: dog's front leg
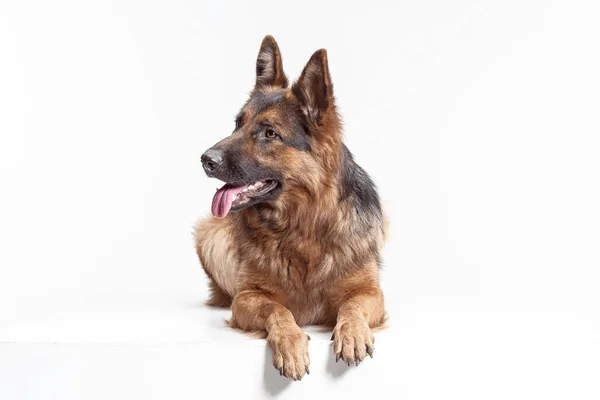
point(352, 335)
point(256, 310)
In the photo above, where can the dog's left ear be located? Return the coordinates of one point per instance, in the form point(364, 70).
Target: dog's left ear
point(269, 67)
point(314, 88)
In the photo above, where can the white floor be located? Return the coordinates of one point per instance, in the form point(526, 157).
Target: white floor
point(170, 346)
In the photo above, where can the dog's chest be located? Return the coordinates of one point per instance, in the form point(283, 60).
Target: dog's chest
point(307, 302)
point(303, 273)
point(304, 285)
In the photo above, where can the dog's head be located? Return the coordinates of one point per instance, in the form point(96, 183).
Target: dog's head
point(281, 138)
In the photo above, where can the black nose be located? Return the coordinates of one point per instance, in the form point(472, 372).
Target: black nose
point(212, 159)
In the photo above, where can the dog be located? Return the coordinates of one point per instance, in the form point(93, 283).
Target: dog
point(297, 230)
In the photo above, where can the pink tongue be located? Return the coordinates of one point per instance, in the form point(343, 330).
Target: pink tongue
point(221, 203)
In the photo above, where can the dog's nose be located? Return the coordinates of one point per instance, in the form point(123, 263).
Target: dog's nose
point(212, 159)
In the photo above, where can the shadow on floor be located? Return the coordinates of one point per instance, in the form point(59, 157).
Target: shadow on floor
point(335, 369)
point(274, 383)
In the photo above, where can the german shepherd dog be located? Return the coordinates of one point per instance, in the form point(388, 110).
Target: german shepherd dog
point(297, 229)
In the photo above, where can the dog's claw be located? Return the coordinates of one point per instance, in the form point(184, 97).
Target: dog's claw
point(357, 363)
point(337, 357)
point(307, 371)
point(370, 351)
point(281, 371)
point(308, 336)
point(332, 336)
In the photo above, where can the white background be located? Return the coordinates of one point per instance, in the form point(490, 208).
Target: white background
point(478, 120)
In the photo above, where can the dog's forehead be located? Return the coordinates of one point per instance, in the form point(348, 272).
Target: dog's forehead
point(263, 100)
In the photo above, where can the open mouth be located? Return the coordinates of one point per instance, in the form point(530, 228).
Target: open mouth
point(231, 197)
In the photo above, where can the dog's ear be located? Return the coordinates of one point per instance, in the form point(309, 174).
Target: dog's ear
point(314, 88)
point(269, 67)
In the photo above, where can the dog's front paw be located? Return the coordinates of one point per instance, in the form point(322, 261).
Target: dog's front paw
point(352, 340)
point(290, 352)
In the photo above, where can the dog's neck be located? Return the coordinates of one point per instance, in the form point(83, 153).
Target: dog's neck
point(298, 213)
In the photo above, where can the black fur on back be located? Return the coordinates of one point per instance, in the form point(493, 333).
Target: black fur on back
point(357, 187)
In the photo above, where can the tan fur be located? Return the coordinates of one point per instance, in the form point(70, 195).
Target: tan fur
point(304, 258)
point(218, 254)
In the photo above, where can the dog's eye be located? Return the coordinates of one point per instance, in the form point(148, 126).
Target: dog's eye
point(271, 134)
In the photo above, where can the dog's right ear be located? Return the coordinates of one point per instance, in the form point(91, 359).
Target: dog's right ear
point(269, 67)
